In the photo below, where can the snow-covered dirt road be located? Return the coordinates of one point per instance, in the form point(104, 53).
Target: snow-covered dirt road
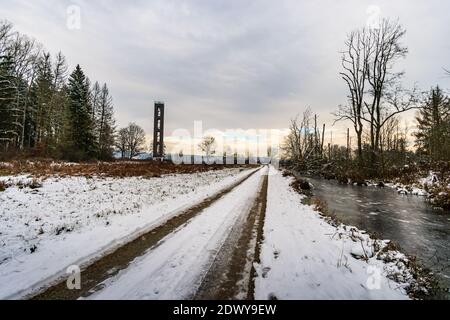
point(175, 268)
point(76, 220)
point(231, 274)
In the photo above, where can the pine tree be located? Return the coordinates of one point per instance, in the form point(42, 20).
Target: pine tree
point(80, 139)
point(433, 126)
point(105, 124)
point(58, 102)
point(90, 99)
point(43, 90)
point(95, 100)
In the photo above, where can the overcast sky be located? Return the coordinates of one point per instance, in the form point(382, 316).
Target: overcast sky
point(231, 63)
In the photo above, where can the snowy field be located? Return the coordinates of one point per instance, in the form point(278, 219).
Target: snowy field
point(73, 220)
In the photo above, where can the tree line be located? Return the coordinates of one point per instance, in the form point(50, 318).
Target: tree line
point(375, 101)
point(47, 111)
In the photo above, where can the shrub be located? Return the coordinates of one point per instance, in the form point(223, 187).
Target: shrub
point(35, 184)
point(440, 197)
point(302, 186)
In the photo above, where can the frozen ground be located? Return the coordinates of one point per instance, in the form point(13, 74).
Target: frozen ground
point(304, 257)
point(72, 220)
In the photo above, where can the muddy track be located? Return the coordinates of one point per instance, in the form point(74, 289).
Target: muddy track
point(109, 265)
point(232, 273)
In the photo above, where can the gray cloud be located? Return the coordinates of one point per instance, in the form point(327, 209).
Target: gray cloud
point(232, 64)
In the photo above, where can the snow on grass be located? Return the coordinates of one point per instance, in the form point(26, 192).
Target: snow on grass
point(10, 181)
point(305, 257)
point(71, 220)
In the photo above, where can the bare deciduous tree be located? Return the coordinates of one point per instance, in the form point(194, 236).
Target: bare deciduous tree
point(207, 146)
point(355, 72)
point(386, 49)
point(130, 140)
point(375, 94)
point(136, 139)
point(121, 141)
point(18, 61)
point(299, 144)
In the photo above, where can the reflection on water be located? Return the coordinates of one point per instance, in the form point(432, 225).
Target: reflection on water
point(406, 219)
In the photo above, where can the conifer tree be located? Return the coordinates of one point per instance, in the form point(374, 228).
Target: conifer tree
point(105, 124)
point(433, 126)
point(58, 102)
point(43, 90)
point(94, 98)
point(80, 140)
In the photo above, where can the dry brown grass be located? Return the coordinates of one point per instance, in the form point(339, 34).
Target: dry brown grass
point(45, 168)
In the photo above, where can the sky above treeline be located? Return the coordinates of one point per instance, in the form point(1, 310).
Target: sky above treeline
point(229, 63)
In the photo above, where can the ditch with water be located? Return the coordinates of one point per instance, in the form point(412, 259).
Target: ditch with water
point(408, 220)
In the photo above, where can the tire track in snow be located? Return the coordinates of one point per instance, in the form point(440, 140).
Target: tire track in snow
point(93, 275)
point(175, 269)
point(231, 274)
